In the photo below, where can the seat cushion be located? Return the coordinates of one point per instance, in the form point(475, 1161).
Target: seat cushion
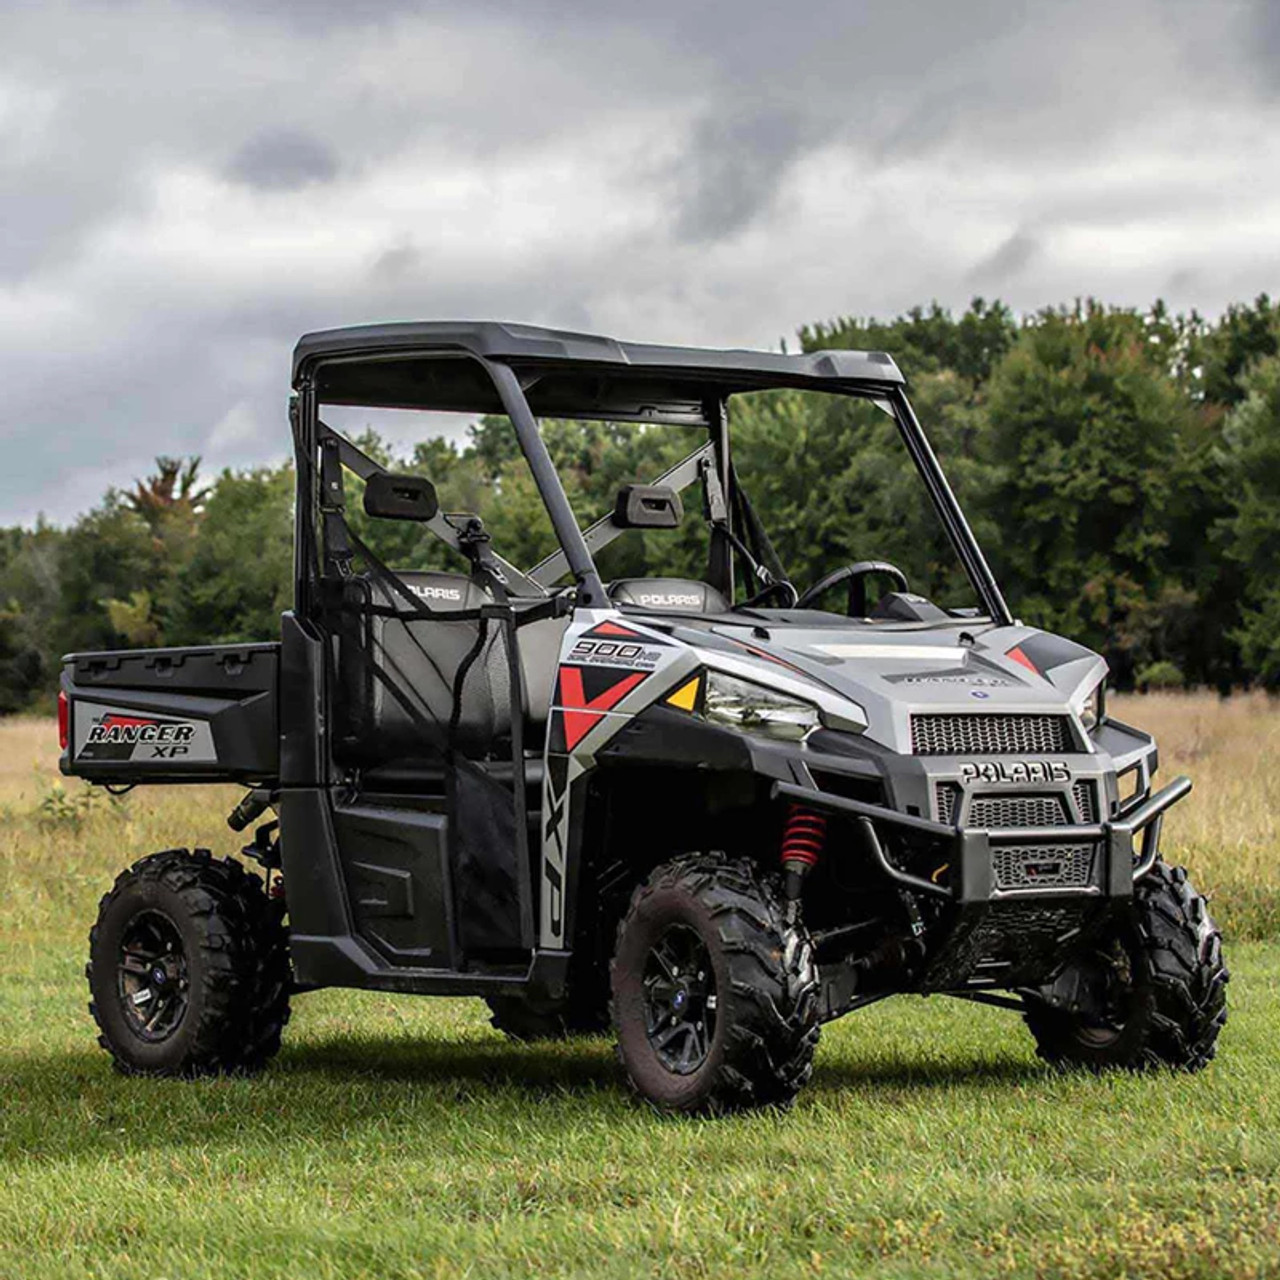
point(671, 595)
point(421, 657)
point(538, 644)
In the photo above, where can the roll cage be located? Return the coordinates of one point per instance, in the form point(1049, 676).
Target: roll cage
point(528, 373)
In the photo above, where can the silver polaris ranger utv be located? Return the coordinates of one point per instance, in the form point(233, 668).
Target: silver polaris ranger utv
point(712, 814)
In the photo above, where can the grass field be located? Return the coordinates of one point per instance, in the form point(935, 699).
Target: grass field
point(397, 1137)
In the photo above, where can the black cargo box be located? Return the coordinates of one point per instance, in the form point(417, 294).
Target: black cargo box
point(204, 714)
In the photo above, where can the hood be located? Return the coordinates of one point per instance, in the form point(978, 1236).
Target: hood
point(892, 672)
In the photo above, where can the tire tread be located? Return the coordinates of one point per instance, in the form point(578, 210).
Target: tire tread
point(771, 1006)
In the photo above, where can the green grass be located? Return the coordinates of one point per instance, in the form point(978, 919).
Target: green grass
point(400, 1137)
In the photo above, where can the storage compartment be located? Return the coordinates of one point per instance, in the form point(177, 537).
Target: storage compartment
point(397, 874)
point(205, 714)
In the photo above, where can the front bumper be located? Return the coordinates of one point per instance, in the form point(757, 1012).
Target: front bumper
point(1124, 848)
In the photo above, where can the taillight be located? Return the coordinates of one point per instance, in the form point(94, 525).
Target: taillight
point(64, 720)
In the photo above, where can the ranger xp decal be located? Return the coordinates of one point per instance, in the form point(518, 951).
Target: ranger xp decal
point(107, 733)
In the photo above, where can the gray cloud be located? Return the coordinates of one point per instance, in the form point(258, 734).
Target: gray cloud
point(733, 170)
point(283, 160)
point(1260, 22)
point(1007, 261)
point(394, 264)
point(186, 187)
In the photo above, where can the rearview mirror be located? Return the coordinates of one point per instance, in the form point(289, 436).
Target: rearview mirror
point(647, 506)
point(400, 497)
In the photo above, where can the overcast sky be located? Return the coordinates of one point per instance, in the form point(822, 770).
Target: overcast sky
point(187, 187)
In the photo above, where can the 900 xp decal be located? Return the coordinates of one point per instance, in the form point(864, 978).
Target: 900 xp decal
point(599, 667)
point(601, 664)
point(115, 734)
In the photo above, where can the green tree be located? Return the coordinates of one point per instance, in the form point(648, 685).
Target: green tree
point(1251, 533)
point(1120, 468)
point(927, 340)
point(1222, 354)
point(240, 575)
point(29, 592)
point(172, 492)
point(108, 554)
point(1093, 446)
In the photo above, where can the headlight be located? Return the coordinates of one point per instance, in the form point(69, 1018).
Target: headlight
point(1095, 707)
point(755, 709)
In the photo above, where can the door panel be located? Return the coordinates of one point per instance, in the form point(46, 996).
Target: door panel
point(396, 867)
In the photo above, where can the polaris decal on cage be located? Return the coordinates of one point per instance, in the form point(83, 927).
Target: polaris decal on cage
point(111, 733)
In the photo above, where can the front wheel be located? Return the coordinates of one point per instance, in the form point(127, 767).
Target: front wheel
point(715, 998)
point(1150, 994)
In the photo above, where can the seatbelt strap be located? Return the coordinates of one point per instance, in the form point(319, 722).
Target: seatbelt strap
point(337, 546)
point(756, 532)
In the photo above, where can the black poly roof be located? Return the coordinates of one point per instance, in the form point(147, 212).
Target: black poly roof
point(530, 344)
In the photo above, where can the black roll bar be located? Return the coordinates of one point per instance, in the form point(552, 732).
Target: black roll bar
point(591, 594)
point(953, 520)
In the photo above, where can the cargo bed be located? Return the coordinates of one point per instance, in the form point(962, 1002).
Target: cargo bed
point(202, 714)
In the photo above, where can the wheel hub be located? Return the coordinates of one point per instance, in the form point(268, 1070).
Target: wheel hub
point(1098, 992)
point(152, 978)
point(680, 1000)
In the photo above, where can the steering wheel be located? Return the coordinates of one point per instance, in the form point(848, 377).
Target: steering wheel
point(856, 576)
point(790, 596)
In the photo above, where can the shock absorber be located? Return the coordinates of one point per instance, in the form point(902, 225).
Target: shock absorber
point(803, 839)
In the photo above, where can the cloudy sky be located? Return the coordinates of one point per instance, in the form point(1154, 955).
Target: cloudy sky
point(187, 187)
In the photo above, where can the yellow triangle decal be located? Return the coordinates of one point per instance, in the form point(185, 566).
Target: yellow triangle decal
point(685, 697)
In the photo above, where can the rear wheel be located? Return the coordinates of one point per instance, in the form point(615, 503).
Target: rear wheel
point(715, 999)
point(189, 967)
point(1151, 994)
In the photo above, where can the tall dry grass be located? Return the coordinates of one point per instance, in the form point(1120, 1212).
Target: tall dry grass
point(1227, 832)
point(61, 842)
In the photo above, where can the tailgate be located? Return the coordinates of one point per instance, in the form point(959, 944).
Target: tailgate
point(173, 715)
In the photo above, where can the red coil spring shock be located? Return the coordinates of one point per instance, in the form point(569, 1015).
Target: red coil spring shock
point(803, 838)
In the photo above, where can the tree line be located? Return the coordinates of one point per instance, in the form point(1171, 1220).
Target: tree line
point(1121, 468)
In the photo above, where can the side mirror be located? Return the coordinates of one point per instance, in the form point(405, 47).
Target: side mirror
point(400, 497)
point(648, 506)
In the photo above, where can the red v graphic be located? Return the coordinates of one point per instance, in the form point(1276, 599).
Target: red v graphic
point(581, 716)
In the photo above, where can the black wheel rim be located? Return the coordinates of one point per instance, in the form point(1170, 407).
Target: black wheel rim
point(152, 974)
point(680, 1001)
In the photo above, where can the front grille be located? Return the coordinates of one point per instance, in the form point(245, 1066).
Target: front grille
point(992, 812)
point(1086, 798)
point(1042, 866)
point(989, 735)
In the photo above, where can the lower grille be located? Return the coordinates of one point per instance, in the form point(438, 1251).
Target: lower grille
point(1042, 866)
point(993, 812)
